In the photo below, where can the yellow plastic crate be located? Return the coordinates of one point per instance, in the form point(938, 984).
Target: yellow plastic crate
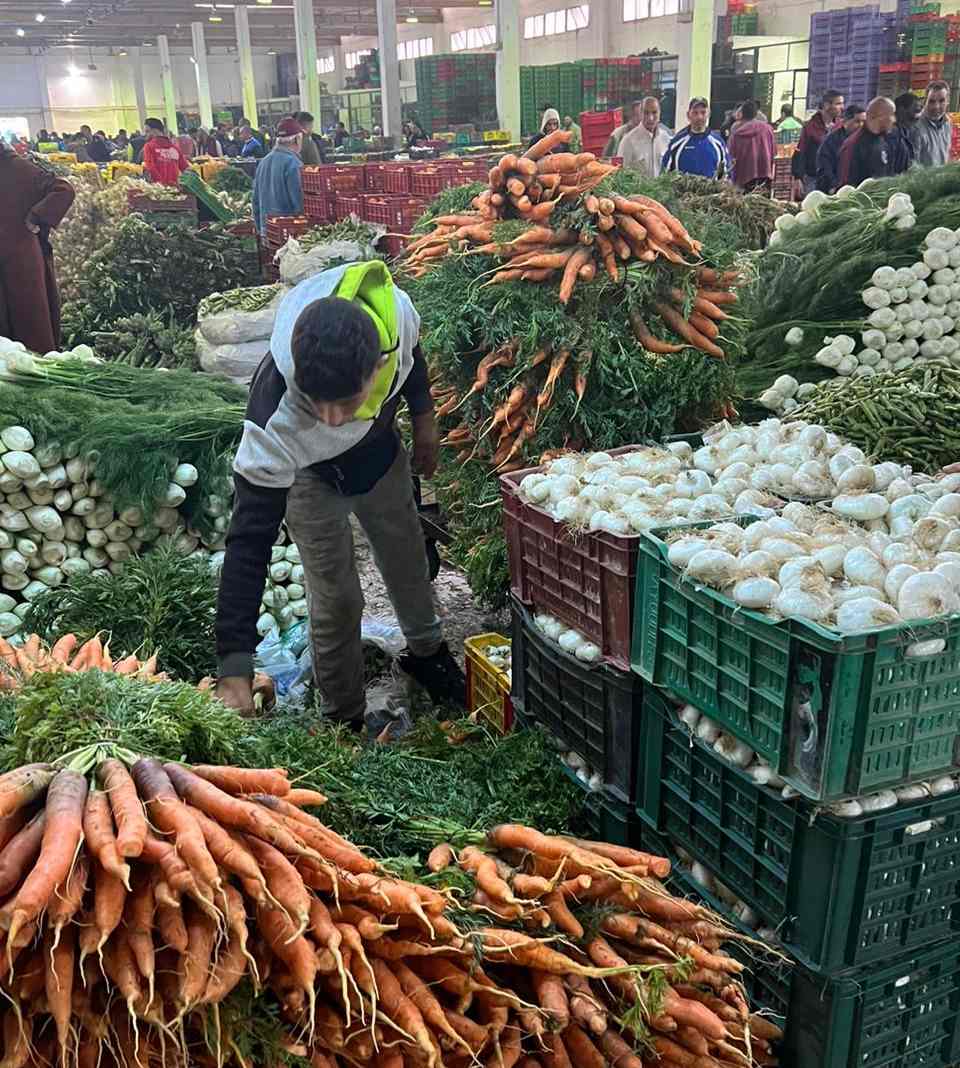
point(61, 157)
point(496, 135)
point(488, 687)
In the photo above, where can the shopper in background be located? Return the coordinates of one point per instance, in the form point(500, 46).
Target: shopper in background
point(549, 123)
point(828, 156)
point(752, 149)
point(311, 151)
point(250, 146)
point(163, 161)
point(32, 202)
point(875, 150)
point(99, 149)
point(695, 149)
point(137, 141)
point(277, 189)
point(612, 147)
point(188, 143)
point(803, 165)
point(907, 110)
point(208, 145)
point(932, 132)
point(644, 146)
point(575, 144)
point(787, 120)
point(340, 134)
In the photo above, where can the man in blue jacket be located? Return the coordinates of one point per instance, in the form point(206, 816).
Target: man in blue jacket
point(277, 189)
point(695, 149)
point(828, 154)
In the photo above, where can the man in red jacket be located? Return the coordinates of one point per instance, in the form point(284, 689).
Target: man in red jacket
point(162, 158)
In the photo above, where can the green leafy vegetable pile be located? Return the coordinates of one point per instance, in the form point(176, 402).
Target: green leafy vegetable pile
point(161, 603)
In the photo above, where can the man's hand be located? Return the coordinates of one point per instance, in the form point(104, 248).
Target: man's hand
point(236, 693)
point(426, 444)
point(798, 193)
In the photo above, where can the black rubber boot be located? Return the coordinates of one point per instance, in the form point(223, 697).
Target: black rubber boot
point(440, 675)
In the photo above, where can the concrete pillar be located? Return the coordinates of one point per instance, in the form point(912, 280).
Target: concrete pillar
point(389, 69)
point(245, 52)
point(600, 17)
point(43, 89)
point(306, 32)
point(203, 75)
point(508, 66)
point(701, 53)
point(136, 63)
point(166, 75)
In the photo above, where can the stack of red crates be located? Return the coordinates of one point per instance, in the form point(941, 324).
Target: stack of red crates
point(397, 214)
point(596, 127)
point(279, 228)
point(396, 178)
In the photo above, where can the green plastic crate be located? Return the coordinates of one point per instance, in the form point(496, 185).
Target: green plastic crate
point(834, 715)
point(840, 892)
point(901, 1013)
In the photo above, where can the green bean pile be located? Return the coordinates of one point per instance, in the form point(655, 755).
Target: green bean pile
point(910, 416)
point(250, 299)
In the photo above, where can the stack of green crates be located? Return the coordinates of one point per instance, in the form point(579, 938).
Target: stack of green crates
point(864, 902)
point(745, 24)
point(529, 116)
point(570, 94)
point(453, 90)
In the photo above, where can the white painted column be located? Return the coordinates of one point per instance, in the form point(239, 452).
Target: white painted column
point(166, 75)
point(701, 49)
point(136, 63)
point(246, 64)
point(309, 81)
point(43, 88)
point(389, 69)
point(203, 75)
point(508, 66)
point(600, 17)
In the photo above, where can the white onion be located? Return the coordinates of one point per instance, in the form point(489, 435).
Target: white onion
point(926, 595)
point(862, 568)
point(865, 613)
point(757, 592)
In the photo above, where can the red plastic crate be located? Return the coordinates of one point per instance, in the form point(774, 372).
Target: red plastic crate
point(596, 123)
point(373, 177)
point(894, 68)
point(346, 204)
point(396, 178)
point(464, 171)
point(280, 227)
point(319, 206)
point(585, 580)
point(397, 214)
point(428, 183)
point(332, 177)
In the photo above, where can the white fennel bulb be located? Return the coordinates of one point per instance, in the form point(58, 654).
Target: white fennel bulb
point(930, 531)
point(757, 592)
point(796, 603)
point(861, 506)
point(758, 563)
point(801, 571)
point(714, 567)
point(185, 475)
point(950, 570)
point(865, 613)
point(896, 577)
point(861, 567)
point(831, 558)
point(709, 506)
point(856, 479)
point(926, 595)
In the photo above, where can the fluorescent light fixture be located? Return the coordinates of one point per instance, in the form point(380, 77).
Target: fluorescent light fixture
point(271, 51)
point(122, 52)
point(411, 18)
point(21, 32)
point(265, 2)
point(73, 71)
point(39, 17)
point(215, 18)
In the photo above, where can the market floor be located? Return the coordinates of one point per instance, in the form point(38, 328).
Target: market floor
point(461, 615)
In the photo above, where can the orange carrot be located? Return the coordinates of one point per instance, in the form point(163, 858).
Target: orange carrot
point(59, 981)
point(694, 1014)
point(201, 938)
point(283, 882)
point(551, 995)
point(547, 144)
point(607, 254)
point(62, 834)
point(577, 259)
point(617, 1052)
point(441, 857)
point(172, 929)
point(561, 163)
point(680, 326)
point(138, 926)
point(226, 973)
point(706, 326)
point(99, 836)
point(708, 308)
point(633, 859)
point(305, 798)
point(66, 898)
point(228, 851)
point(718, 296)
point(632, 230)
point(20, 787)
point(63, 647)
point(126, 807)
point(404, 1013)
point(109, 897)
point(583, 1053)
point(561, 915)
point(292, 948)
point(172, 816)
point(245, 780)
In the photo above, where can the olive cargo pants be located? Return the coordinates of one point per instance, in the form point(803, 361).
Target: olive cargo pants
point(318, 518)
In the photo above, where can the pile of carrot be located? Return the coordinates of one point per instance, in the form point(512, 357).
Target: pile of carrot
point(616, 230)
point(67, 654)
point(136, 896)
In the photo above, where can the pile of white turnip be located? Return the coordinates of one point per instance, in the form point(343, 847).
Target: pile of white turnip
point(885, 551)
point(743, 470)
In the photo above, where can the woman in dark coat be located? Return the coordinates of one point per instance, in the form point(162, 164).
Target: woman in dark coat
point(32, 202)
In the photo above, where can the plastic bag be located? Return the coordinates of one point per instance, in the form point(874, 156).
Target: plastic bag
point(237, 362)
point(236, 327)
point(276, 659)
point(297, 263)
